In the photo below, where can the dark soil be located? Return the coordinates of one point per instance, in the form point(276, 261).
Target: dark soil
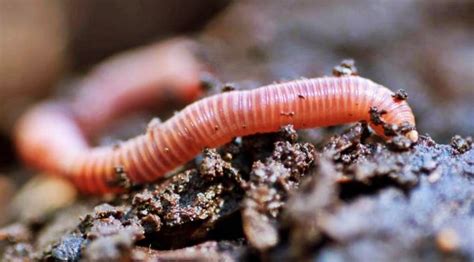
point(276, 197)
point(332, 194)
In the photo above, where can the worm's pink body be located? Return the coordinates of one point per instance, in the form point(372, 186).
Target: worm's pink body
point(212, 122)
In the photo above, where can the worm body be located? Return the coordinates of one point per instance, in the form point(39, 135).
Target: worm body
point(209, 122)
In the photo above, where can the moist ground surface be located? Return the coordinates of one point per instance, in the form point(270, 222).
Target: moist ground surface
point(332, 194)
point(275, 196)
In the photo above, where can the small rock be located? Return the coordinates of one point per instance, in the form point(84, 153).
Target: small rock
point(447, 240)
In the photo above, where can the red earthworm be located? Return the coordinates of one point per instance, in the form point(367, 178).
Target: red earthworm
point(212, 122)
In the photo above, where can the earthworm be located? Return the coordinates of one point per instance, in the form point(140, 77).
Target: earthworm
point(210, 122)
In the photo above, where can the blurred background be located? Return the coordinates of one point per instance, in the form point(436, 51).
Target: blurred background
point(424, 47)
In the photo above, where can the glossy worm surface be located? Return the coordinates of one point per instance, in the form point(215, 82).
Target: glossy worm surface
point(211, 122)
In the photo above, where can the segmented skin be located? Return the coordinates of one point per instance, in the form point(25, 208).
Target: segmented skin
point(210, 122)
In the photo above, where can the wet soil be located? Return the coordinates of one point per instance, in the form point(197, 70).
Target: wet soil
point(277, 197)
point(332, 194)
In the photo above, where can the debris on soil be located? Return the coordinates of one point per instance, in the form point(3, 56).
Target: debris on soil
point(461, 145)
point(180, 211)
point(61, 224)
point(213, 166)
point(348, 146)
point(269, 186)
point(306, 209)
point(361, 219)
point(401, 142)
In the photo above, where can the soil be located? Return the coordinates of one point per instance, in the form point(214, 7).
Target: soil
point(327, 194)
point(278, 197)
